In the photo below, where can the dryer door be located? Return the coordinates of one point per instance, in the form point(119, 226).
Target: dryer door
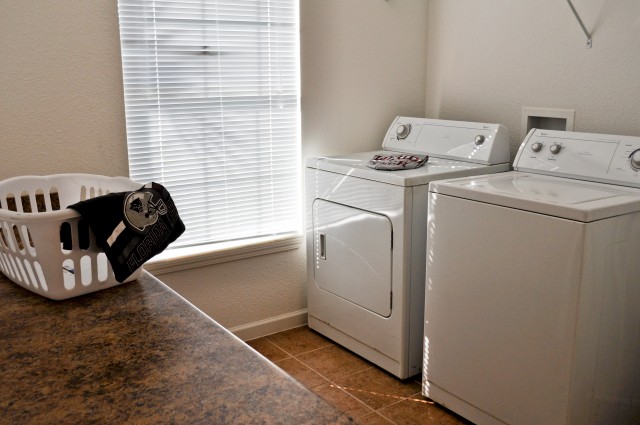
point(352, 250)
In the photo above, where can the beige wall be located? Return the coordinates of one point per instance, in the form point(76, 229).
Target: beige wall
point(363, 63)
point(61, 102)
point(61, 110)
point(486, 60)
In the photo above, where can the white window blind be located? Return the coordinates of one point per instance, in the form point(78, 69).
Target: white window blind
point(212, 111)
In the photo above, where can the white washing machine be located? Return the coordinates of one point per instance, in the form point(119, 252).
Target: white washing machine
point(532, 303)
point(366, 235)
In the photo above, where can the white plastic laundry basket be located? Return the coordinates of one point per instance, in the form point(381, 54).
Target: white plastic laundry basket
point(46, 247)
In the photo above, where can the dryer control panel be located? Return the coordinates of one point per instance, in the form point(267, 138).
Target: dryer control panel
point(466, 141)
point(586, 156)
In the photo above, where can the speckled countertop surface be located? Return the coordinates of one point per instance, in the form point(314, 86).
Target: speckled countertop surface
point(137, 353)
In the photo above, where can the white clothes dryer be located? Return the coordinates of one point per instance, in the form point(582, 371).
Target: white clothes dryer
point(532, 304)
point(366, 232)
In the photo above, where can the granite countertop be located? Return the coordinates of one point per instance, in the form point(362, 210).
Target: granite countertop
point(137, 353)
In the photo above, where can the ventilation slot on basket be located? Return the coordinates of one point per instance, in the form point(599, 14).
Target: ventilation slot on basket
point(23, 273)
point(68, 274)
point(26, 202)
point(4, 265)
point(85, 270)
point(11, 266)
point(55, 198)
point(80, 239)
point(14, 268)
point(10, 239)
point(5, 244)
point(66, 241)
point(40, 273)
point(11, 202)
point(18, 239)
point(32, 277)
point(103, 266)
point(41, 203)
point(27, 236)
point(6, 236)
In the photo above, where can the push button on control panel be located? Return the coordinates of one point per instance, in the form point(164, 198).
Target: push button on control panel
point(555, 148)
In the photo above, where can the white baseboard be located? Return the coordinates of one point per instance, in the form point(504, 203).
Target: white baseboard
point(271, 325)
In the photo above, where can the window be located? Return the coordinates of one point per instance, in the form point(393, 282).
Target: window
point(212, 110)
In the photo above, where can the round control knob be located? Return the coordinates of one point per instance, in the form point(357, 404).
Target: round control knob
point(480, 139)
point(403, 131)
point(536, 147)
point(555, 149)
point(634, 159)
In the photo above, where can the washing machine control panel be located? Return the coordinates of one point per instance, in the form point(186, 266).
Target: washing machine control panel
point(586, 156)
point(466, 141)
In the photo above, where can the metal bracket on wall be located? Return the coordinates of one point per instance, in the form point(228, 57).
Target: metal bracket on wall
point(575, 13)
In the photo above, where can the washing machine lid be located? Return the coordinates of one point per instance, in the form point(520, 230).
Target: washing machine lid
point(355, 165)
point(556, 196)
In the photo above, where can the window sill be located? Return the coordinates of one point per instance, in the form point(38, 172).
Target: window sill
point(178, 259)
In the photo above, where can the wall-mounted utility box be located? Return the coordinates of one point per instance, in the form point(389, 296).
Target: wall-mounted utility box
point(548, 119)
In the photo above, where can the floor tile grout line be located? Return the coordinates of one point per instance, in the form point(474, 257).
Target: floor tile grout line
point(379, 414)
point(329, 378)
point(279, 348)
point(326, 378)
point(311, 331)
point(304, 352)
point(288, 355)
point(372, 410)
point(398, 399)
point(386, 417)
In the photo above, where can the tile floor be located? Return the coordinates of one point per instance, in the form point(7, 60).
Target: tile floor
point(357, 387)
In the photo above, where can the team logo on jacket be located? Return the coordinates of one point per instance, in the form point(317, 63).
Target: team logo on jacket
point(141, 210)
